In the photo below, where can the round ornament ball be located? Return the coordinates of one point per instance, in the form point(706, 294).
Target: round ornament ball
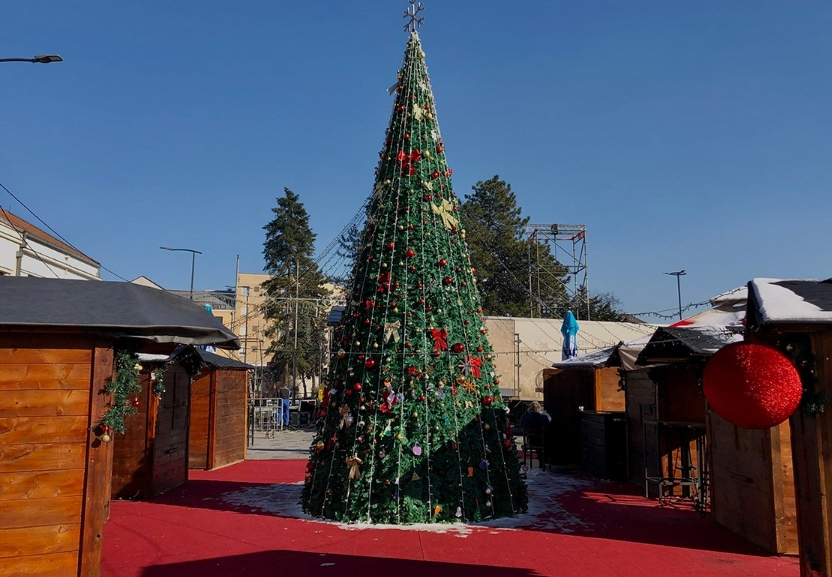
point(752, 386)
point(458, 348)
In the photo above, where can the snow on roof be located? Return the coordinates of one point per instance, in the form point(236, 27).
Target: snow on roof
point(607, 357)
point(792, 301)
point(729, 311)
point(672, 344)
point(739, 294)
point(594, 359)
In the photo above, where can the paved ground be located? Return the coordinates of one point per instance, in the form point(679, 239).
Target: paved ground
point(286, 444)
point(245, 520)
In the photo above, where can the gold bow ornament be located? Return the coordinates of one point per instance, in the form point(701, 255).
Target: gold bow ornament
point(353, 463)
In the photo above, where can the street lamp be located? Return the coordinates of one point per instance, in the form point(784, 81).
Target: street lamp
point(193, 262)
point(678, 274)
point(39, 59)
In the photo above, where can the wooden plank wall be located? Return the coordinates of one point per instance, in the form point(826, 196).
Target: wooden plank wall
point(99, 467)
point(563, 392)
point(593, 444)
point(680, 397)
point(789, 511)
point(202, 421)
point(744, 480)
point(231, 406)
point(811, 450)
point(640, 407)
point(45, 396)
point(170, 447)
point(603, 442)
point(608, 397)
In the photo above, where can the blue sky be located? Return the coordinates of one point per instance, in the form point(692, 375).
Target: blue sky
point(684, 135)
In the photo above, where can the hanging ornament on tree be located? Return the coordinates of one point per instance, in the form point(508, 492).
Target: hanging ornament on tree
point(752, 386)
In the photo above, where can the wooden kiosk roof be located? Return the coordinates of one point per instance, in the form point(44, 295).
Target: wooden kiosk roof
point(114, 309)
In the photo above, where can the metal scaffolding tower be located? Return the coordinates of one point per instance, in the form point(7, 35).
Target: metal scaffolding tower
point(567, 243)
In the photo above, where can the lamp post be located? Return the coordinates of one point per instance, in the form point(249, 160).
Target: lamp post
point(193, 262)
point(39, 59)
point(678, 274)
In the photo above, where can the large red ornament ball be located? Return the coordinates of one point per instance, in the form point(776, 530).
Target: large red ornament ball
point(370, 363)
point(752, 386)
point(458, 347)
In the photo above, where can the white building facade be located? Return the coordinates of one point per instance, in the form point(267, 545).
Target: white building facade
point(26, 250)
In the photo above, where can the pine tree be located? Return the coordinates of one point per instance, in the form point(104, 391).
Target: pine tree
point(501, 255)
point(412, 427)
point(294, 284)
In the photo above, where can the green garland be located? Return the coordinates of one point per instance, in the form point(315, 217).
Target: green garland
point(159, 381)
point(799, 350)
point(125, 382)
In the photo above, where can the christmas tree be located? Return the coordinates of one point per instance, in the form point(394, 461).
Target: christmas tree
point(412, 427)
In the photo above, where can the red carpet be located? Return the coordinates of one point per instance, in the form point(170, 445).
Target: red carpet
point(240, 521)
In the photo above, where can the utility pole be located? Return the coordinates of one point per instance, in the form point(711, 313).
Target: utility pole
point(678, 274)
point(295, 348)
point(245, 316)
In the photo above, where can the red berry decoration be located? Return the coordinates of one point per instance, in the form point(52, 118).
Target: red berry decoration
point(390, 246)
point(442, 262)
point(448, 280)
point(486, 400)
point(370, 363)
point(410, 253)
point(458, 347)
point(752, 386)
point(357, 387)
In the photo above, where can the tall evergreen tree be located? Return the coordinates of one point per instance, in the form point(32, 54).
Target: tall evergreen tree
point(295, 319)
point(503, 257)
point(412, 427)
point(349, 247)
point(599, 307)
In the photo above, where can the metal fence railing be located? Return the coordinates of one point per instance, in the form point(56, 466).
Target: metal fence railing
point(266, 416)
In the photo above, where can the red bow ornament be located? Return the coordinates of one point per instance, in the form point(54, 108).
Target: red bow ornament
point(472, 365)
point(408, 161)
point(440, 339)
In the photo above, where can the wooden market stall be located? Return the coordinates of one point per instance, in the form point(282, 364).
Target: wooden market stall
point(796, 317)
point(219, 404)
point(58, 340)
point(584, 397)
point(690, 452)
point(152, 455)
point(666, 411)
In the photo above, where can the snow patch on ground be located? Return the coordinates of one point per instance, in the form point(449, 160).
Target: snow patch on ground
point(546, 512)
